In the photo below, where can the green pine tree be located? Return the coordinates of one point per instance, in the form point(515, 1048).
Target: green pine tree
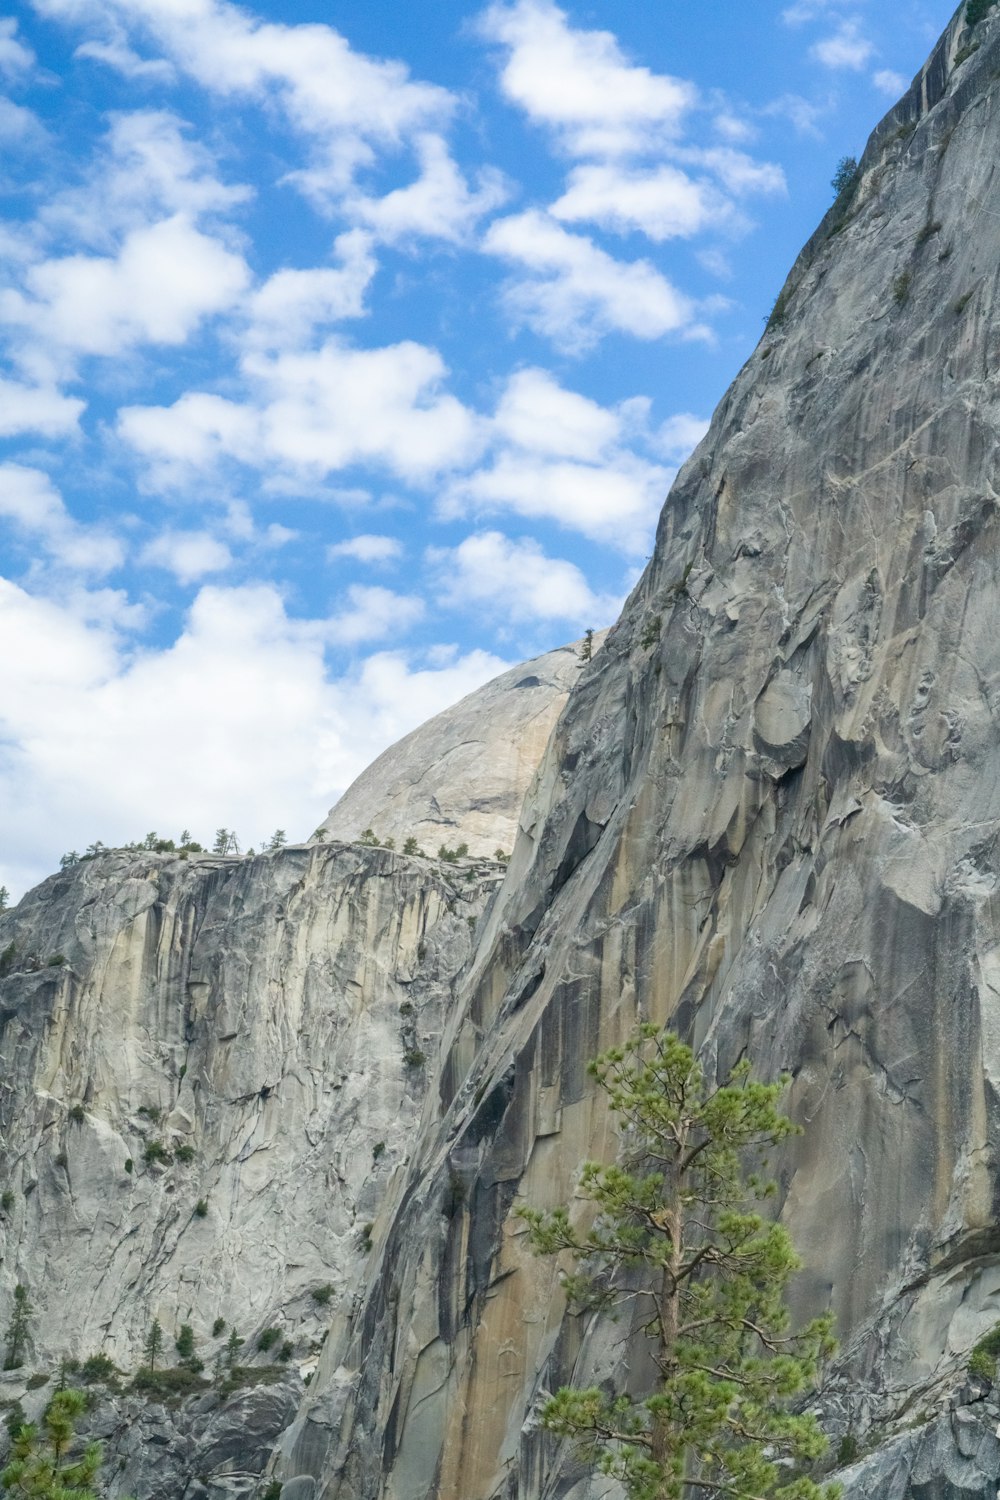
point(41, 1466)
point(17, 1332)
point(154, 1343)
point(676, 1232)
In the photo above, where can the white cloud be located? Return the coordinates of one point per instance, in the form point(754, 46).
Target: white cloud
point(889, 83)
point(347, 104)
point(580, 84)
point(802, 113)
point(366, 548)
point(679, 436)
point(164, 281)
point(615, 502)
point(19, 124)
point(98, 739)
point(438, 205)
point(116, 53)
point(663, 203)
point(575, 292)
point(286, 310)
point(845, 48)
point(314, 414)
point(188, 555)
point(15, 55)
point(374, 614)
point(40, 409)
point(515, 580)
point(538, 414)
point(29, 499)
point(739, 173)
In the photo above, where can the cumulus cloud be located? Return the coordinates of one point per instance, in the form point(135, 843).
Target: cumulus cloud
point(163, 282)
point(539, 415)
point(580, 84)
point(39, 409)
point(347, 104)
point(188, 555)
point(374, 614)
point(515, 580)
point(664, 203)
point(680, 435)
point(286, 310)
point(573, 291)
point(844, 48)
point(101, 741)
point(315, 413)
point(438, 205)
point(366, 548)
point(30, 501)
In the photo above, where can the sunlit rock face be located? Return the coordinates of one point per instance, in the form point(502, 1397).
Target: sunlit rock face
point(212, 1074)
point(461, 777)
point(768, 813)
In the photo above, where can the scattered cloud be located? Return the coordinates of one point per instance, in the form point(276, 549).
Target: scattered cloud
point(291, 305)
point(30, 501)
point(160, 286)
point(889, 83)
point(15, 56)
point(844, 48)
point(516, 580)
point(664, 203)
point(573, 291)
point(346, 104)
point(38, 409)
point(115, 52)
point(374, 614)
point(679, 436)
point(581, 85)
point(438, 205)
point(539, 415)
point(366, 548)
point(188, 555)
point(315, 413)
point(803, 114)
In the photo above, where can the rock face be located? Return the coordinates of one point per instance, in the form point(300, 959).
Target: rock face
point(768, 814)
point(462, 776)
point(211, 1073)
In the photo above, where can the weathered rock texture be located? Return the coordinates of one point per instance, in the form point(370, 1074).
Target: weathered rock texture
point(462, 776)
point(265, 1028)
point(769, 813)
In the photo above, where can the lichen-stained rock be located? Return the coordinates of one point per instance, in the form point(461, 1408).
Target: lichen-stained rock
point(211, 1072)
point(769, 814)
point(461, 777)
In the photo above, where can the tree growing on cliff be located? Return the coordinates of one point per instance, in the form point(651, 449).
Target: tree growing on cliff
point(17, 1332)
point(676, 1239)
point(153, 1346)
point(42, 1466)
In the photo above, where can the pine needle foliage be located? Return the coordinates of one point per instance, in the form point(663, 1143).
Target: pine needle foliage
point(676, 1235)
point(43, 1465)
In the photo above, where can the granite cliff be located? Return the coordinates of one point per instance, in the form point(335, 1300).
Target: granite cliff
point(768, 813)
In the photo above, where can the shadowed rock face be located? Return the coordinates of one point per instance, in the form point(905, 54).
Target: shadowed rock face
point(769, 813)
point(462, 776)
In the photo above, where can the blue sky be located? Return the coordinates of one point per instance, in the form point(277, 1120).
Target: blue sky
point(348, 351)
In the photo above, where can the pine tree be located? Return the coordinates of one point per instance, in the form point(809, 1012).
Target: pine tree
point(233, 1345)
point(184, 1342)
point(276, 841)
point(17, 1333)
point(674, 1233)
point(154, 1343)
point(587, 646)
point(40, 1466)
point(4, 898)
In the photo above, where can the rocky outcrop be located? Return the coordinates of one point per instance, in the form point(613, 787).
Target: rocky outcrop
point(211, 1073)
point(768, 814)
point(461, 778)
